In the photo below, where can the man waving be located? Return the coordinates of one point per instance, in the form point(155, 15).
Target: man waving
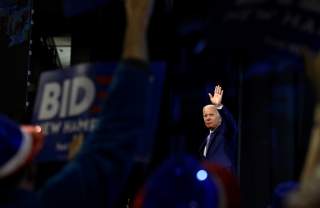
point(220, 144)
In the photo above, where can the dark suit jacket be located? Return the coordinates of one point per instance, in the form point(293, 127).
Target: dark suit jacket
point(223, 143)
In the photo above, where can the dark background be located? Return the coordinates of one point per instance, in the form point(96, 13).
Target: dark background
point(264, 81)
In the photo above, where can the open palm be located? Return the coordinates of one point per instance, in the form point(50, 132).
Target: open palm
point(216, 98)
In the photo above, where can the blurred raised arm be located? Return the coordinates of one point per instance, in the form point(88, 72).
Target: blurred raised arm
point(312, 66)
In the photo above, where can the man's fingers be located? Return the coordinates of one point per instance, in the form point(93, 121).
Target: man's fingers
point(218, 90)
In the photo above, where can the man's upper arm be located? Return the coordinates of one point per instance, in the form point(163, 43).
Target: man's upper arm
point(229, 121)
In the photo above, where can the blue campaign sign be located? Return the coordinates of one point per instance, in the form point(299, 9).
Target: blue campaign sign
point(68, 104)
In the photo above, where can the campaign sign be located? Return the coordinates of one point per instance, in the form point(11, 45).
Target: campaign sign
point(68, 105)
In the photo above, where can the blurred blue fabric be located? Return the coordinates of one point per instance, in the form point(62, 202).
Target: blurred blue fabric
point(281, 191)
point(181, 182)
point(10, 139)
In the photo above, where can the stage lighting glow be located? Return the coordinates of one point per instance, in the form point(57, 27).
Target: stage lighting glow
point(202, 175)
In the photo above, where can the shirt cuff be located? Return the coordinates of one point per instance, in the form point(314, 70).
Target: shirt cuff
point(220, 107)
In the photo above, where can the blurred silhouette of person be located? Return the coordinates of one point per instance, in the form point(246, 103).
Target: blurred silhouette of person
point(228, 183)
point(220, 146)
point(280, 193)
point(308, 191)
point(181, 181)
point(96, 176)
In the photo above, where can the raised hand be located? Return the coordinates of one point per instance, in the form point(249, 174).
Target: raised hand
point(138, 13)
point(312, 67)
point(216, 98)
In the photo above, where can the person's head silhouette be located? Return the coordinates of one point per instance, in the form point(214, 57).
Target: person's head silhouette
point(18, 146)
point(180, 182)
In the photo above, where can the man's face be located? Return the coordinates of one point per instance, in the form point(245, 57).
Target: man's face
point(211, 117)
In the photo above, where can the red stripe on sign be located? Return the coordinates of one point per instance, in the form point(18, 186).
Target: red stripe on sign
point(102, 95)
point(104, 80)
point(95, 109)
